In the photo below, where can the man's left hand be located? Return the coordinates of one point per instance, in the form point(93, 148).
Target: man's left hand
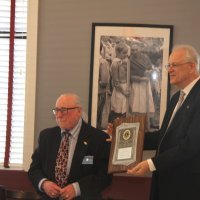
point(68, 192)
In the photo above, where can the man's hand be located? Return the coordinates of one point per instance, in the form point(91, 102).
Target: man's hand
point(68, 192)
point(51, 189)
point(141, 169)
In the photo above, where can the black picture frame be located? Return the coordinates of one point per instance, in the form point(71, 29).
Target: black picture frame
point(153, 41)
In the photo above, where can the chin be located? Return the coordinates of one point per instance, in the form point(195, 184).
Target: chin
point(173, 82)
point(61, 125)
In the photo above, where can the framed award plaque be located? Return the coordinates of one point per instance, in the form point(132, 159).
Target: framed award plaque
point(127, 143)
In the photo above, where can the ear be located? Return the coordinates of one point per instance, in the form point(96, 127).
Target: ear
point(80, 110)
point(193, 67)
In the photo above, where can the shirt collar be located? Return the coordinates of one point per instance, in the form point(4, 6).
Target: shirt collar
point(187, 89)
point(75, 131)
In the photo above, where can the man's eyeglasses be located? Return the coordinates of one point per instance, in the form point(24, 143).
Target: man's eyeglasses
point(175, 65)
point(62, 110)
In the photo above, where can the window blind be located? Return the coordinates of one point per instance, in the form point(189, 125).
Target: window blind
point(12, 72)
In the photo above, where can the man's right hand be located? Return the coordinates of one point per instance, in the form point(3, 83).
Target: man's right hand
point(51, 189)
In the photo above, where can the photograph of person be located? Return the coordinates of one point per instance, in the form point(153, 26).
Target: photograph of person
point(131, 68)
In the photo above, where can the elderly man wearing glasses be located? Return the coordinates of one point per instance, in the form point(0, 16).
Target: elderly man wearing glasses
point(176, 165)
point(71, 159)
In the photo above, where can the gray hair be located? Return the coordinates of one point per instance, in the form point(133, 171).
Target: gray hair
point(76, 98)
point(191, 54)
point(84, 116)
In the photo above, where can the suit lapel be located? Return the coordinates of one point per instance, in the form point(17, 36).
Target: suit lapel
point(169, 113)
point(80, 151)
point(57, 140)
point(52, 150)
point(186, 106)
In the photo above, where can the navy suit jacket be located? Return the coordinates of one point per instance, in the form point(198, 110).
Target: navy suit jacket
point(177, 159)
point(92, 178)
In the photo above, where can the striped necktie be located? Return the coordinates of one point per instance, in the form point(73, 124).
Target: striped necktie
point(61, 161)
point(178, 105)
point(180, 100)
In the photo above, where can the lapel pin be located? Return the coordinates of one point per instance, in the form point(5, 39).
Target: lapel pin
point(188, 106)
point(85, 143)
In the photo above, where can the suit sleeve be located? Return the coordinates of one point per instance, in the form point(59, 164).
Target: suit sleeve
point(35, 172)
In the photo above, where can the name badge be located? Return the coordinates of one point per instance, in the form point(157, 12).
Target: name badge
point(87, 160)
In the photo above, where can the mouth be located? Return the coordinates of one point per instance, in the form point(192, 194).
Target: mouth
point(172, 75)
point(60, 121)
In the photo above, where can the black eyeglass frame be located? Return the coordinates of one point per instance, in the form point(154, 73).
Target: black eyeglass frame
point(62, 110)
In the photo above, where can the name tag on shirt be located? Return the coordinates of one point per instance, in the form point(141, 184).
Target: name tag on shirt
point(88, 160)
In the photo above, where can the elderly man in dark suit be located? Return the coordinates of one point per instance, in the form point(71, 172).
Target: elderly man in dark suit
point(84, 174)
point(176, 165)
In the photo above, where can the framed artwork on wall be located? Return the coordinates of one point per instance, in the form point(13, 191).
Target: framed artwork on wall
point(127, 73)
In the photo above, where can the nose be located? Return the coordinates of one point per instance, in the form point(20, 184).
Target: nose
point(170, 69)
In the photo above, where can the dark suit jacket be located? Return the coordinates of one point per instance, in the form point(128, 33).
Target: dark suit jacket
point(177, 158)
point(92, 178)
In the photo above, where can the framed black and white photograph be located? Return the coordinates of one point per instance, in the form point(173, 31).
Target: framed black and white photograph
point(127, 73)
